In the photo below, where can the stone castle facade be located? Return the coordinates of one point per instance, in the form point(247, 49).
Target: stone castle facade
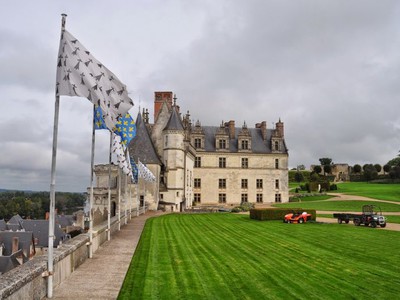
point(198, 165)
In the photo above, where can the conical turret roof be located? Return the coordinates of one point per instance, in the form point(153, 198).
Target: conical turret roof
point(141, 146)
point(174, 122)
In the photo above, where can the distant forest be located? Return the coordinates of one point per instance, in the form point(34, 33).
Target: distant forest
point(34, 205)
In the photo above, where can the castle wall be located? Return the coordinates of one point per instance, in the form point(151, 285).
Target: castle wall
point(27, 282)
point(260, 167)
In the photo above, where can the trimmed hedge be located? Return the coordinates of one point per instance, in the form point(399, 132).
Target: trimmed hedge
point(263, 214)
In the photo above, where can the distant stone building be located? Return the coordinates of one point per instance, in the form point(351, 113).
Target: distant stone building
point(340, 171)
point(198, 165)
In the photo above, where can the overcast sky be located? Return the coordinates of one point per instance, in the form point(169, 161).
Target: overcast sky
point(329, 69)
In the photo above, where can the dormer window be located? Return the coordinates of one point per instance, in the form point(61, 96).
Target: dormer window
point(197, 143)
point(222, 144)
point(245, 144)
point(276, 146)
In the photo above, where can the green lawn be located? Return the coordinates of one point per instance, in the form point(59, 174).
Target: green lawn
point(229, 256)
point(315, 198)
point(346, 205)
point(389, 192)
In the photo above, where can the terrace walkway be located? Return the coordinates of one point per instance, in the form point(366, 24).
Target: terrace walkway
point(102, 276)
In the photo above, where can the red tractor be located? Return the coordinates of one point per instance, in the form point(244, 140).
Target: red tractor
point(297, 217)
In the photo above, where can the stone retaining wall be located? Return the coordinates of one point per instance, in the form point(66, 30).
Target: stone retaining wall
point(28, 282)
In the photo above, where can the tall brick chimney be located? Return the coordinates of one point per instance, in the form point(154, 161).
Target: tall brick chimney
point(263, 127)
point(159, 98)
point(280, 129)
point(231, 127)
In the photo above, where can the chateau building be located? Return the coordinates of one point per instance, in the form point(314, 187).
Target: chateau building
point(200, 165)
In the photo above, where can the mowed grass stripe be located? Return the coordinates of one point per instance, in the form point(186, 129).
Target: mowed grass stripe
point(215, 249)
point(226, 256)
point(208, 263)
point(230, 259)
point(286, 281)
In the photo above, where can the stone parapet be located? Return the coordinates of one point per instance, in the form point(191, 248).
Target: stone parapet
point(28, 281)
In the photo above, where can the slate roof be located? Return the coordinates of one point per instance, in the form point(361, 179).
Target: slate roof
point(64, 220)
point(141, 146)
point(258, 145)
point(8, 263)
point(174, 122)
point(40, 229)
point(25, 239)
point(3, 225)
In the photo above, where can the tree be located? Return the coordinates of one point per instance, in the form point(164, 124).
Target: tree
point(298, 176)
point(317, 169)
point(370, 172)
point(357, 168)
point(327, 169)
point(314, 177)
point(325, 162)
point(394, 162)
point(386, 168)
point(301, 167)
point(378, 167)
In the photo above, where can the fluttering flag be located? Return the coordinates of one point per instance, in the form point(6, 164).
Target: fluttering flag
point(80, 74)
point(98, 119)
point(145, 173)
point(122, 160)
point(135, 172)
point(126, 129)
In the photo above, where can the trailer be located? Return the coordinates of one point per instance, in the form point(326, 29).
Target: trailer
point(371, 215)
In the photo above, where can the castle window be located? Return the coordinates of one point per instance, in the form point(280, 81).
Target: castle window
point(276, 146)
point(259, 198)
point(197, 162)
point(222, 144)
point(277, 183)
point(276, 163)
point(197, 143)
point(197, 198)
point(278, 198)
point(222, 162)
point(166, 141)
point(244, 198)
point(222, 198)
point(222, 183)
point(245, 163)
point(245, 144)
point(259, 183)
point(244, 183)
point(197, 183)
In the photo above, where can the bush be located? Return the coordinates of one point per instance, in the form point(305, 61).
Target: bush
point(277, 213)
point(245, 206)
point(236, 209)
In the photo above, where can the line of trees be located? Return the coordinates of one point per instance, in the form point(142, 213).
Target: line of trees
point(35, 205)
point(366, 172)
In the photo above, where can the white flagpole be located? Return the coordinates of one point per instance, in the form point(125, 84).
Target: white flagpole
point(130, 202)
point(119, 198)
point(137, 198)
point(109, 191)
point(126, 199)
point(52, 188)
point(91, 188)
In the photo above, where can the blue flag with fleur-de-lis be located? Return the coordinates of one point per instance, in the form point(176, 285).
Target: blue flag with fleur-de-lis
point(98, 119)
point(126, 129)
